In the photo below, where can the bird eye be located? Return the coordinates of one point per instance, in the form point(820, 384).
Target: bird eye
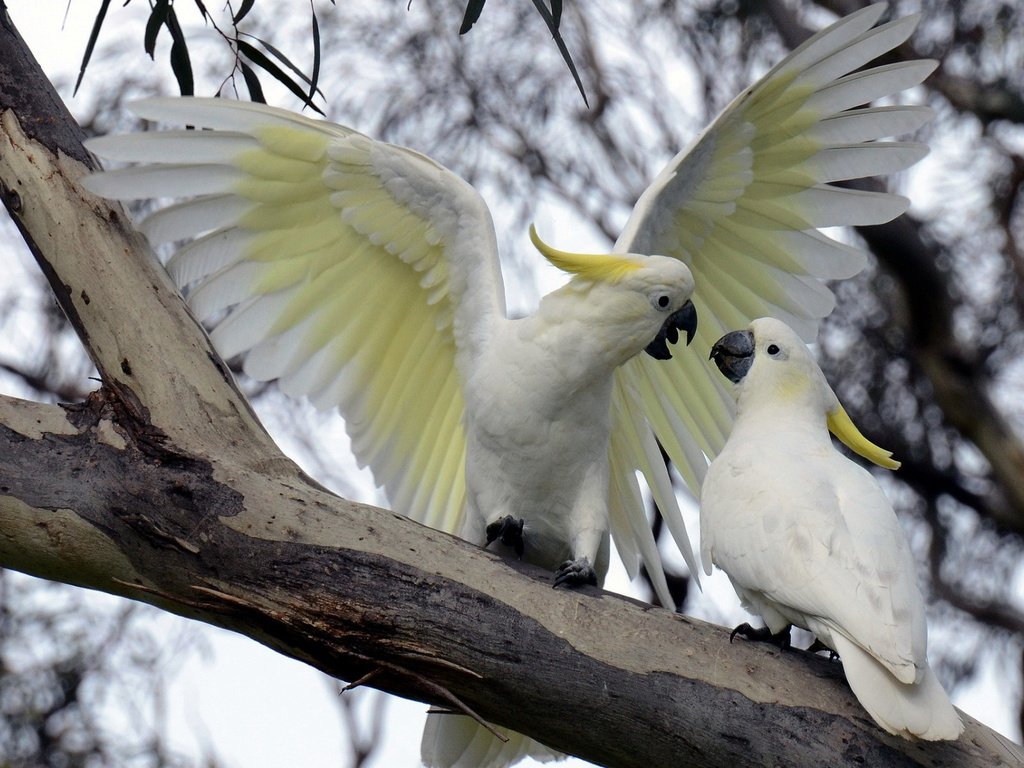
point(661, 300)
point(773, 349)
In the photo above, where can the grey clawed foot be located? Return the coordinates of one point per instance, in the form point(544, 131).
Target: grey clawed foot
point(574, 573)
point(509, 530)
point(762, 635)
point(818, 646)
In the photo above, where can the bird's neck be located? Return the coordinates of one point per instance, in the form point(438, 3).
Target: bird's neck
point(580, 335)
point(780, 418)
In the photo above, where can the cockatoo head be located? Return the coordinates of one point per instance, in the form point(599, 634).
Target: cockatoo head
point(644, 301)
point(771, 366)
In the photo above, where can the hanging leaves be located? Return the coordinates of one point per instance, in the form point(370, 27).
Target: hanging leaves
point(251, 56)
point(252, 83)
point(156, 20)
point(264, 62)
point(243, 10)
point(552, 18)
point(101, 14)
point(181, 64)
point(473, 9)
point(255, 56)
point(314, 77)
point(161, 16)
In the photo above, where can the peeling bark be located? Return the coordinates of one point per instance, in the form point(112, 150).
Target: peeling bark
point(363, 593)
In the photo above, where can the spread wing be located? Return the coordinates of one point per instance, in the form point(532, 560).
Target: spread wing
point(742, 206)
point(341, 266)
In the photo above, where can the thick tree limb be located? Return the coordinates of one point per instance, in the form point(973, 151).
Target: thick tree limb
point(163, 487)
point(352, 590)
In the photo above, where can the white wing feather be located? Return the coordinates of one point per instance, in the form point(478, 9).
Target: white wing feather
point(742, 207)
point(347, 267)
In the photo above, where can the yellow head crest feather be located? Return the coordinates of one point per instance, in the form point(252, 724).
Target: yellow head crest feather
point(840, 425)
point(599, 267)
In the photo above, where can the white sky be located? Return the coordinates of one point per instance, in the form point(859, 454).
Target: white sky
point(256, 707)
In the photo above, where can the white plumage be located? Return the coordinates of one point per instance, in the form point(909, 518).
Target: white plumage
point(365, 276)
point(807, 536)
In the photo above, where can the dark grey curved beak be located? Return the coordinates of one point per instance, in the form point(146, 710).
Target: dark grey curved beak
point(734, 354)
point(683, 319)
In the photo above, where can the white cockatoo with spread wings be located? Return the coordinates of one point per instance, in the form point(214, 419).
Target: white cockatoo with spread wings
point(365, 277)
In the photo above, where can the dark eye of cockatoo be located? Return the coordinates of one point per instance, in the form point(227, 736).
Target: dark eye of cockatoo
point(661, 301)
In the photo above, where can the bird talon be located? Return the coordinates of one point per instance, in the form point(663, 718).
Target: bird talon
point(575, 573)
point(817, 646)
point(509, 530)
point(762, 635)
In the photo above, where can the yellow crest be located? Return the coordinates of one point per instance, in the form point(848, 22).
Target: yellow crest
point(599, 267)
point(840, 425)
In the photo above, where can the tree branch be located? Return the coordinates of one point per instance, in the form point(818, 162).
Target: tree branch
point(353, 589)
point(959, 385)
point(163, 487)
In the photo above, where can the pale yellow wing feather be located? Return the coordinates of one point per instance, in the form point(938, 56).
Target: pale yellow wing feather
point(742, 206)
point(335, 264)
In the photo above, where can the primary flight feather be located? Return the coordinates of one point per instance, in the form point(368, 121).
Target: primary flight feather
point(807, 537)
point(365, 276)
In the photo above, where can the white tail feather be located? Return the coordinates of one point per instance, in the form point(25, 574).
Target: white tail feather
point(827, 206)
point(855, 161)
point(208, 255)
point(917, 710)
point(457, 741)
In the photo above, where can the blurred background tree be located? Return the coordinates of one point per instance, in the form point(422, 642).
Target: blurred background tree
point(68, 661)
point(924, 347)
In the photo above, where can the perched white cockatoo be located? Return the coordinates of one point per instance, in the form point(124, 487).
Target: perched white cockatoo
point(365, 276)
point(807, 536)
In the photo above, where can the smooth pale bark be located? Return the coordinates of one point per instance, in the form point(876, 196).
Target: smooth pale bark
point(163, 487)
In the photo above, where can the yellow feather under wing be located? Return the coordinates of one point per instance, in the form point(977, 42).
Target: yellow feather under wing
point(626, 516)
point(388, 355)
point(330, 253)
point(742, 206)
point(633, 448)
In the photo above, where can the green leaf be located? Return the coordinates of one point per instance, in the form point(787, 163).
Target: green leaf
point(473, 9)
point(157, 19)
point(553, 29)
point(556, 12)
point(101, 14)
point(181, 64)
point(202, 9)
point(285, 61)
point(261, 60)
point(243, 10)
point(252, 82)
point(315, 74)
